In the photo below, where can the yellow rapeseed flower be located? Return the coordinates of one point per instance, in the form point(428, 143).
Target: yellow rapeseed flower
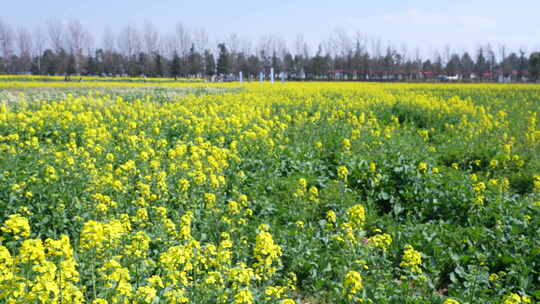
point(352, 283)
point(17, 225)
point(412, 259)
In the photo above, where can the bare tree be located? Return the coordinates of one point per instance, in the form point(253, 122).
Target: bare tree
point(75, 37)
point(264, 47)
point(404, 50)
point(130, 46)
point(38, 46)
point(109, 64)
point(108, 43)
point(341, 43)
point(376, 47)
point(361, 41)
point(77, 41)
point(299, 44)
point(40, 42)
point(24, 48)
point(503, 52)
point(491, 59)
point(24, 41)
point(447, 53)
point(417, 58)
point(163, 47)
point(150, 38)
point(88, 43)
point(182, 39)
point(329, 46)
point(56, 32)
point(272, 44)
point(150, 44)
point(280, 47)
point(246, 46)
point(233, 43)
point(301, 47)
point(168, 46)
point(200, 40)
point(6, 40)
point(129, 41)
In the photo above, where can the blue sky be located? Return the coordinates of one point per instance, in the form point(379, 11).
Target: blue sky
point(427, 24)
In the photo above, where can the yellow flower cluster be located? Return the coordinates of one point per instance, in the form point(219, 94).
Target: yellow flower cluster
point(266, 252)
point(352, 283)
point(44, 272)
point(342, 173)
point(96, 235)
point(17, 225)
point(357, 215)
point(352, 229)
point(346, 144)
point(301, 188)
point(380, 240)
point(514, 298)
point(313, 194)
point(411, 259)
point(536, 183)
point(422, 167)
point(47, 272)
point(331, 216)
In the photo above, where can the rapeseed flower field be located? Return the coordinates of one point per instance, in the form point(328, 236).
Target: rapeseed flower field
point(115, 192)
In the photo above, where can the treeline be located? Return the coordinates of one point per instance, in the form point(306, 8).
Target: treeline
point(67, 48)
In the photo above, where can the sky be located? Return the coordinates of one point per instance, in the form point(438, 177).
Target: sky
point(429, 25)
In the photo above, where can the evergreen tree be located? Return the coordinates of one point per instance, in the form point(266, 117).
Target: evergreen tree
point(141, 63)
point(523, 64)
point(70, 67)
point(318, 64)
point(481, 64)
point(175, 65)
point(427, 66)
point(275, 62)
point(61, 62)
point(224, 60)
point(509, 64)
point(195, 62)
point(48, 62)
point(366, 65)
point(454, 65)
point(534, 65)
point(437, 65)
point(159, 70)
point(253, 65)
point(356, 61)
point(209, 63)
point(99, 59)
point(390, 60)
point(288, 64)
point(467, 64)
point(91, 66)
point(35, 67)
point(299, 65)
point(2, 66)
point(242, 63)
